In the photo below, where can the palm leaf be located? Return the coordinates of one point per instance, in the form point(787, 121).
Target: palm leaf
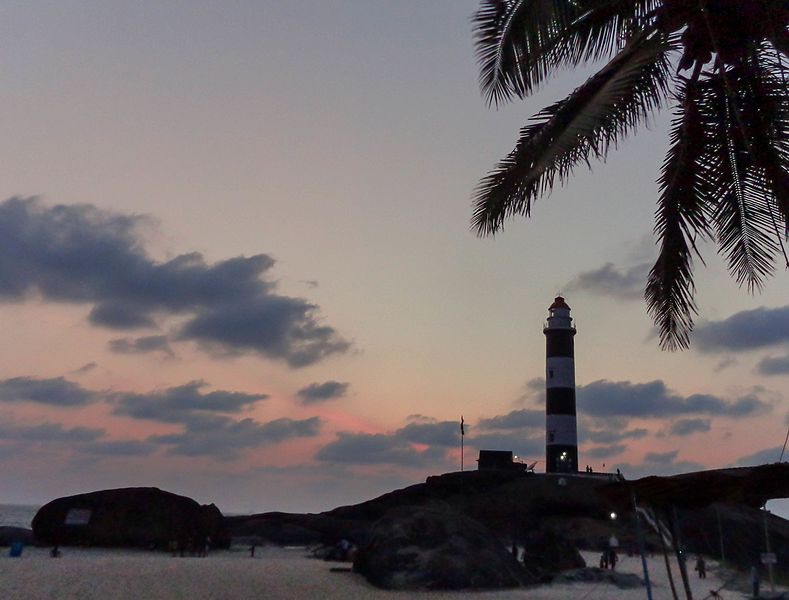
point(744, 216)
point(766, 117)
point(682, 215)
point(519, 43)
point(510, 39)
point(583, 125)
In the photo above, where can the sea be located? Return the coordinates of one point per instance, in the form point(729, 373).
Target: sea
point(17, 515)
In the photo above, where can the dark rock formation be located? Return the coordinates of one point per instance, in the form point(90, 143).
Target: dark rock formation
point(742, 531)
point(305, 529)
point(129, 517)
point(547, 551)
point(15, 534)
point(576, 507)
point(509, 503)
point(747, 486)
point(432, 548)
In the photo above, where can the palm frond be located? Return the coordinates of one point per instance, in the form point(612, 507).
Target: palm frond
point(510, 38)
point(766, 117)
point(585, 124)
point(519, 43)
point(605, 26)
point(745, 205)
point(681, 217)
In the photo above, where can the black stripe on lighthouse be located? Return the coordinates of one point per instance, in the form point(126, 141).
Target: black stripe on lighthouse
point(561, 437)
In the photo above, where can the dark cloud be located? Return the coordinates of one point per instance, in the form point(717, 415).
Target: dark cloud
point(725, 364)
point(119, 316)
point(747, 330)
point(653, 399)
point(609, 280)
point(207, 432)
point(516, 419)
point(81, 254)
point(774, 365)
point(519, 443)
point(55, 391)
point(444, 433)
point(185, 404)
point(533, 392)
point(225, 438)
point(276, 326)
point(762, 457)
point(119, 448)
point(370, 449)
point(321, 392)
point(610, 436)
point(661, 458)
point(141, 345)
point(604, 451)
point(87, 368)
point(48, 432)
point(417, 418)
point(689, 426)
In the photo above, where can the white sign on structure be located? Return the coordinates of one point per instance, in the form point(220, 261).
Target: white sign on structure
point(78, 516)
point(769, 558)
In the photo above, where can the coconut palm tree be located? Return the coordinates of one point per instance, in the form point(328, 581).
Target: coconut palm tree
point(721, 63)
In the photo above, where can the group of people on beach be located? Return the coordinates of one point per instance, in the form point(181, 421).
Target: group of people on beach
point(609, 557)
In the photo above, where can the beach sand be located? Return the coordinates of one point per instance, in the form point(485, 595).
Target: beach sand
point(88, 574)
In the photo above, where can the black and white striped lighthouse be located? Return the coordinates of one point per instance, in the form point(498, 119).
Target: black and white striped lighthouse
point(561, 434)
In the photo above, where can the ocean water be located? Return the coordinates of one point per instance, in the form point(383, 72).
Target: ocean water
point(17, 515)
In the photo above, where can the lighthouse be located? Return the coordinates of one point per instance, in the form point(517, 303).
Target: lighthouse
point(561, 434)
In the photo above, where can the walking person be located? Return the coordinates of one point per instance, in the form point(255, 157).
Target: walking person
point(701, 567)
point(755, 581)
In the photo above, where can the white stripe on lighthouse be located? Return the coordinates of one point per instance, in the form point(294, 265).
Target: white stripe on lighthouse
point(560, 372)
point(560, 430)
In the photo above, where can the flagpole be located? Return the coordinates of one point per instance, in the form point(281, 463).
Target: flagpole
point(462, 435)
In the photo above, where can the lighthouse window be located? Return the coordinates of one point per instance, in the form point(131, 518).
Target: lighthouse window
point(550, 373)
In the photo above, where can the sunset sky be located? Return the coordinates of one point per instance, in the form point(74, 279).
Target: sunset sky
point(236, 264)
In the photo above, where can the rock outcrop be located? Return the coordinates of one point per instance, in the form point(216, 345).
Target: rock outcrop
point(518, 506)
point(8, 535)
point(130, 517)
point(436, 548)
point(547, 552)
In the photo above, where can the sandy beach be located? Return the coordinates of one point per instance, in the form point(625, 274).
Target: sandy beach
point(88, 574)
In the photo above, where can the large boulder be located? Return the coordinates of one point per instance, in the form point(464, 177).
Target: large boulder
point(547, 552)
point(9, 535)
point(436, 548)
point(129, 517)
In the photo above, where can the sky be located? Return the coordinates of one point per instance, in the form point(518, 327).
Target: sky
point(236, 263)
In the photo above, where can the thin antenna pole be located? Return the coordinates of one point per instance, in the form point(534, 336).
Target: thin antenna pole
point(784, 448)
point(462, 436)
point(641, 546)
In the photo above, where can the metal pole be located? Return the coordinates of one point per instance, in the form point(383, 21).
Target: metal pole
point(683, 571)
point(666, 559)
point(767, 548)
point(641, 546)
point(720, 534)
point(462, 437)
